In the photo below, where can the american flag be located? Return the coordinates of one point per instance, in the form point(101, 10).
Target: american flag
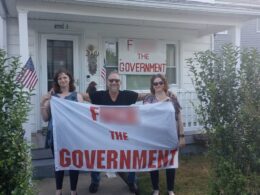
point(103, 72)
point(28, 77)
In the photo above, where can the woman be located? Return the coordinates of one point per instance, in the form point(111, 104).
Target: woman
point(63, 87)
point(159, 93)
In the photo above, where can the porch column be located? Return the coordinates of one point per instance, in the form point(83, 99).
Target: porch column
point(24, 53)
point(235, 33)
point(3, 42)
point(23, 35)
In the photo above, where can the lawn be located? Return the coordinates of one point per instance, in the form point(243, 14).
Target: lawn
point(192, 177)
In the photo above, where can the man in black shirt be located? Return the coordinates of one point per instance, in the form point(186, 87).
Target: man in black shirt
point(113, 96)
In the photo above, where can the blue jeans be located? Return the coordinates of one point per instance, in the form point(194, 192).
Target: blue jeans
point(95, 177)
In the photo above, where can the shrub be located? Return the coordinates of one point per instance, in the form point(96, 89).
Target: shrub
point(15, 162)
point(229, 108)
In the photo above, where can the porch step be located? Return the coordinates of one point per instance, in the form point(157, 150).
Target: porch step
point(43, 168)
point(41, 153)
point(43, 163)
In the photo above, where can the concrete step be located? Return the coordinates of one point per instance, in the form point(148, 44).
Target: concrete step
point(43, 163)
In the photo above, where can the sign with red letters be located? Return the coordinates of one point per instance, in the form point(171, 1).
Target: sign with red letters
point(114, 138)
point(141, 56)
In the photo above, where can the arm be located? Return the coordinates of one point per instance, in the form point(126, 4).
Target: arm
point(79, 97)
point(85, 97)
point(141, 96)
point(180, 131)
point(178, 118)
point(45, 107)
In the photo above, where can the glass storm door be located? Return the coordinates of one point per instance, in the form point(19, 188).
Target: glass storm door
point(59, 55)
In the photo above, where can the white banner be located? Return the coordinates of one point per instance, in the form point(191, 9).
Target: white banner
point(141, 56)
point(114, 138)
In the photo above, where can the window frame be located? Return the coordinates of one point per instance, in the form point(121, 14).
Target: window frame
point(165, 43)
point(258, 24)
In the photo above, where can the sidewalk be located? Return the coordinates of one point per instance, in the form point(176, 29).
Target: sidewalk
point(108, 186)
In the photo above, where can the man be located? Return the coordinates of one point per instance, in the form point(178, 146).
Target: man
point(114, 97)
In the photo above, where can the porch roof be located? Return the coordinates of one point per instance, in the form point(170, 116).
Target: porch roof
point(202, 18)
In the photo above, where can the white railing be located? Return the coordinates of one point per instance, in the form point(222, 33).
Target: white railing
point(190, 118)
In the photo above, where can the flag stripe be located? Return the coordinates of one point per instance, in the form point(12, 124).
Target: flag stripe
point(28, 77)
point(103, 72)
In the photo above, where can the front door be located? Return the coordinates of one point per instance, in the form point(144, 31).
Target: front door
point(58, 52)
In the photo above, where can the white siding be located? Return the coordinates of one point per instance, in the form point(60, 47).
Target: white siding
point(187, 51)
point(3, 41)
point(13, 50)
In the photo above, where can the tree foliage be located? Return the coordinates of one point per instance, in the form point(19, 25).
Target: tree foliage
point(228, 87)
point(15, 163)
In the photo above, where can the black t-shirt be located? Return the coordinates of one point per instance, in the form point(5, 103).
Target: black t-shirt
point(103, 98)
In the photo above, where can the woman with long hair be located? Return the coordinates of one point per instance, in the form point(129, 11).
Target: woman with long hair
point(160, 93)
point(63, 87)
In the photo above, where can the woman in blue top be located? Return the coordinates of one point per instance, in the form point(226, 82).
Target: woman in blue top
point(63, 87)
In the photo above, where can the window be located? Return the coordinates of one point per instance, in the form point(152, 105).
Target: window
point(258, 25)
point(225, 32)
point(140, 82)
point(111, 61)
point(59, 55)
point(171, 64)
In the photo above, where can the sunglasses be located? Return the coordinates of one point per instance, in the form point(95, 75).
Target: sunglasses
point(158, 83)
point(113, 80)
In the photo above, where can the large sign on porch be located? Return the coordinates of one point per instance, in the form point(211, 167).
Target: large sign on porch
point(141, 56)
point(105, 138)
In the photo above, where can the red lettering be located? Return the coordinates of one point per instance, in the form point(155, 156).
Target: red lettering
point(64, 161)
point(162, 158)
point(77, 158)
point(129, 42)
point(118, 135)
point(111, 159)
point(121, 67)
point(90, 160)
point(139, 161)
point(151, 159)
point(112, 135)
point(137, 67)
point(125, 159)
point(143, 56)
point(173, 152)
point(94, 112)
point(100, 159)
point(125, 137)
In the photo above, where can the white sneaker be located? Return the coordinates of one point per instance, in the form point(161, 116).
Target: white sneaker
point(156, 192)
point(170, 193)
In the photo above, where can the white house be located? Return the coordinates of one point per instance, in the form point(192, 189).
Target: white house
point(138, 37)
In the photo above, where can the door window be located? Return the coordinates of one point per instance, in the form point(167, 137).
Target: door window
point(59, 55)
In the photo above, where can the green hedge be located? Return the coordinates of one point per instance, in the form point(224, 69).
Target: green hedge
point(15, 161)
point(228, 87)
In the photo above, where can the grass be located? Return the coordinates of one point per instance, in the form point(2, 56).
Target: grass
point(192, 177)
